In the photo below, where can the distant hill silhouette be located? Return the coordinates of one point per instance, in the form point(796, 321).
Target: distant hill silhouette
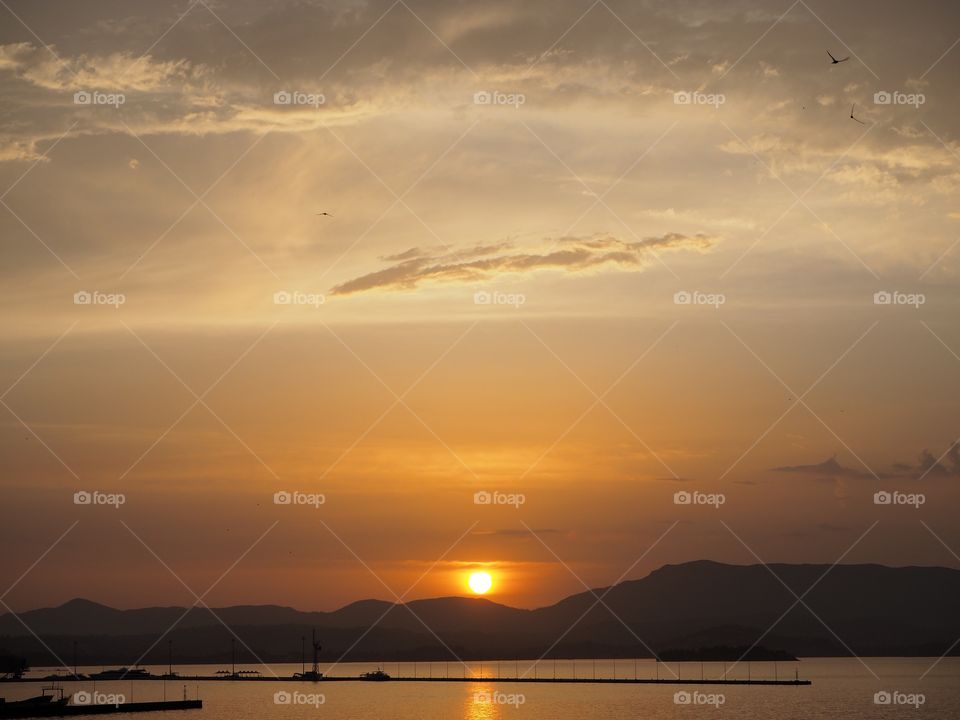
point(688, 608)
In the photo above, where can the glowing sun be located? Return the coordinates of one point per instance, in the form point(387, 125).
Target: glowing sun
point(480, 582)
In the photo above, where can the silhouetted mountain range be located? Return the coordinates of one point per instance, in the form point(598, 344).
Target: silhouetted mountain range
point(862, 609)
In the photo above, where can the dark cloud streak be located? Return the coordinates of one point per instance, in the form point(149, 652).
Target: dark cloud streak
point(569, 254)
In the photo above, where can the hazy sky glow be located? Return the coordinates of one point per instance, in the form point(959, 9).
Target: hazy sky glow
point(518, 192)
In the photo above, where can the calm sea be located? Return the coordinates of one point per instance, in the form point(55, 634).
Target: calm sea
point(842, 688)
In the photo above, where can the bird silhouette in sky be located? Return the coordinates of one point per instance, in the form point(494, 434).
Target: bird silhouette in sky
point(325, 213)
point(834, 60)
point(854, 118)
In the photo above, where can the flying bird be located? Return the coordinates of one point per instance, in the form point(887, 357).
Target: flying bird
point(834, 60)
point(853, 118)
point(325, 213)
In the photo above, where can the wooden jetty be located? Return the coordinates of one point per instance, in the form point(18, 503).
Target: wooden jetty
point(53, 709)
point(468, 679)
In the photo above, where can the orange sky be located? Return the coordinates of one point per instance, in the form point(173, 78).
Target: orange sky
point(492, 304)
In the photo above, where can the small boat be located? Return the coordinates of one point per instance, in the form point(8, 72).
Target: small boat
point(308, 675)
point(55, 697)
point(377, 674)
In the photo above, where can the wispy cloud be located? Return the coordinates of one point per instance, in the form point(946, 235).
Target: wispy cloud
point(928, 465)
point(828, 469)
point(413, 267)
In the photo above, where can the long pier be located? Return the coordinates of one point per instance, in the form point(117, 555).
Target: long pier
point(31, 710)
point(447, 679)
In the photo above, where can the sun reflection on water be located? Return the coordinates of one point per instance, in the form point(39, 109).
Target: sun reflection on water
point(479, 704)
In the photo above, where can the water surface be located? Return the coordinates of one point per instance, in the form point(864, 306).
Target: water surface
point(842, 688)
